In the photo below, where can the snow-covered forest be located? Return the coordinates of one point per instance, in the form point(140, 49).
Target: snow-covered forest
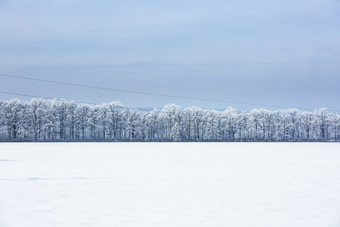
point(53, 120)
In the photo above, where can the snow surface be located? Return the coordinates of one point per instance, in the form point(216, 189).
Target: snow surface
point(170, 184)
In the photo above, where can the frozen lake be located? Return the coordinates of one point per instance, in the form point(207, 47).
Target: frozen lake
point(170, 184)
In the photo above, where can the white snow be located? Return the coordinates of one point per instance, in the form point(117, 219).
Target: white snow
point(170, 184)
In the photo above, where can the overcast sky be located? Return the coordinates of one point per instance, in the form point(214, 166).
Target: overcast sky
point(281, 52)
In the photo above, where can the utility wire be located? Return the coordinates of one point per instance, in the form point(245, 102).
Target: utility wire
point(230, 89)
point(60, 99)
point(152, 94)
point(89, 103)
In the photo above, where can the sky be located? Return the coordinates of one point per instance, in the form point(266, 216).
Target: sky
point(265, 53)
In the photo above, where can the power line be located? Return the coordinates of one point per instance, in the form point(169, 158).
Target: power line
point(60, 99)
point(230, 89)
point(89, 103)
point(152, 94)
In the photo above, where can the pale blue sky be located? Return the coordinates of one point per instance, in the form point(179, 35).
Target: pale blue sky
point(281, 52)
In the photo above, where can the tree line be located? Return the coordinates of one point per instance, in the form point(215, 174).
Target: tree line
point(53, 120)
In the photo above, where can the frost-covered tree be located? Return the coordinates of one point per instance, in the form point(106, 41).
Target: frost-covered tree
point(152, 123)
point(2, 120)
point(82, 119)
point(61, 118)
point(229, 121)
point(133, 125)
point(169, 116)
point(336, 125)
point(196, 123)
point(307, 119)
point(13, 114)
point(71, 119)
point(114, 118)
point(322, 122)
point(94, 122)
point(35, 115)
point(41, 120)
point(175, 133)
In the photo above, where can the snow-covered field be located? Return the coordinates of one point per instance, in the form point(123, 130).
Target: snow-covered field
point(170, 184)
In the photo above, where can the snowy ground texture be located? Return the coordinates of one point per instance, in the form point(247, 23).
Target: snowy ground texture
point(170, 184)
